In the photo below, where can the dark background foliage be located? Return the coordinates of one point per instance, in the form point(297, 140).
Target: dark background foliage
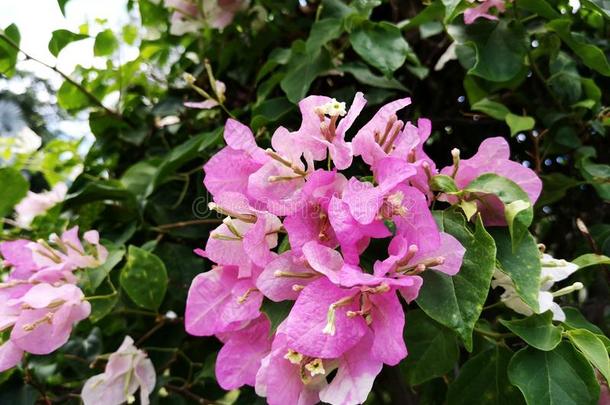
point(142, 182)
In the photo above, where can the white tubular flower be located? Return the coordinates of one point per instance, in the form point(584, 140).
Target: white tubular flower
point(553, 270)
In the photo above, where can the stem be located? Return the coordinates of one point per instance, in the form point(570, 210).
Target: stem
point(66, 77)
point(494, 335)
point(189, 395)
point(182, 224)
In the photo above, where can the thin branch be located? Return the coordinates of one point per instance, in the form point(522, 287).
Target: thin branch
point(188, 394)
point(73, 82)
point(183, 224)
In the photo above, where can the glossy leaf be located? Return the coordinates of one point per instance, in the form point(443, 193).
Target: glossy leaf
point(433, 349)
point(561, 376)
point(537, 330)
point(62, 38)
point(457, 301)
point(483, 380)
point(592, 348)
point(521, 264)
point(144, 278)
point(14, 188)
point(381, 45)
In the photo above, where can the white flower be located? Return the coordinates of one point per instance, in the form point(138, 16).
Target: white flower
point(127, 370)
point(553, 270)
point(35, 204)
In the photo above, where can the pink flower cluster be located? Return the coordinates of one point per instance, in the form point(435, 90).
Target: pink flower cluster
point(347, 316)
point(39, 299)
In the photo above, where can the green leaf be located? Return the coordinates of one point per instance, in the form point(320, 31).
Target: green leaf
point(14, 188)
point(519, 216)
point(92, 278)
point(540, 7)
point(302, 69)
point(105, 43)
point(451, 9)
point(521, 264)
point(62, 6)
point(182, 154)
point(71, 97)
point(457, 301)
point(442, 182)
point(483, 380)
point(492, 108)
point(322, 32)
point(518, 123)
point(364, 75)
point(592, 348)
point(381, 45)
point(537, 330)
point(498, 48)
point(61, 39)
point(144, 278)
point(556, 185)
point(470, 208)
point(270, 111)
point(433, 349)
point(138, 176)
point(102, 307)
point(591, 259)
point(561, 376)
point(591, 55)
point(575, 320)
point(601, 6)
point(8, 53)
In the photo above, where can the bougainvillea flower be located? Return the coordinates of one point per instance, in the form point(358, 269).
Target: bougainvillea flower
point(35, 204)
point(284, 277)
point(353, 236)
point(10, 355)
point(322, 129)
point(67, 253)
point(356, 374)
point(375, 139)
point(47, 317)
point(220, 302)
point(244, 242)
point(240, 358)
point(482, 10)
point(311, 222)
point(188, 17)
point(493, 157)
point(332, 314)
point(411, 258)
point(288, 377)
point(128, 369)
point(552, 271)
point(229, 169)
point(17, 254)
point(279, 183)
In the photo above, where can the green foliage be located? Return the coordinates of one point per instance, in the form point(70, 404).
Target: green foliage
point(61, 39)
point(560, 376)
point(537, 331)
point(483, 379)
point(144, 278)
point(457, 301)
point(520, 264)
point(537, 76)
point(14, 188)
point(434, 350)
